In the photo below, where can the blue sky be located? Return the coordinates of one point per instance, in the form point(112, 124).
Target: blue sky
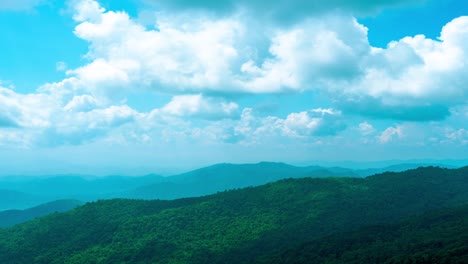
point(141, 86)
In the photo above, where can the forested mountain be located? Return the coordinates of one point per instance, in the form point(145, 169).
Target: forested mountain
point(13, 217)
point(239, 226)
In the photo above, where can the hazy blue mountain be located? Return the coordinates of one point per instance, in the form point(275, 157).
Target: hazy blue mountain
point(10, 199)
point(251, 224)
point(13, 217)
point(227, 176)
point(31, 191)
point(398, 168)
point(25, 192)
point(364, 165)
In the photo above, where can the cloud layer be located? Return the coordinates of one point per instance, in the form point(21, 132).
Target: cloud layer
point(211, 71)
point(414, 78)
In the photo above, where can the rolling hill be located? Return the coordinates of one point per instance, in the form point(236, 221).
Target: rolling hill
point(239, 226)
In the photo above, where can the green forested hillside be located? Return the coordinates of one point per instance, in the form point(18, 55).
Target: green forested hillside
point(237, 226)
point(435, 237)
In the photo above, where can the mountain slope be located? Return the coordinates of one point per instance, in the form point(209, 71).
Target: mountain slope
point(230, 227)
point(435, 237)
point(13, 217)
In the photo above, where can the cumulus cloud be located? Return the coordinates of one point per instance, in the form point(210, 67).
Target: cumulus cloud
point(200, 106)
point(390, 133)
point(309, 56)
point(81, 103)
point(79, 127)
point(366, 128)
point(251, 128)
point(316, 122)
point(415, 78)
point(25, 110)
point(45, 118)
point(458, 136)
point(426, 69)
point(205, 63)
point(216, 55)
point(174, 57)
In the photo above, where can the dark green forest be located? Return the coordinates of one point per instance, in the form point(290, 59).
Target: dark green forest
point(417, 216)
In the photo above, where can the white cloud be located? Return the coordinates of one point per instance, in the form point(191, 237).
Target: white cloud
point(192, 56)
point(366, 128)
point(415, 78)
point(42, 118)
point(202, 55)
point(252, 129)
point(420, 69)
point(202, 60)
point(390, 133)
point(458, 136)
point(83, 127)
point(316, 122)
point(26, 110)
point(87, 10)
point(200, 106)
point(310, 55)
point(81, 103)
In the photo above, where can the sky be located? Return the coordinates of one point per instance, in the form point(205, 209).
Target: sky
point(141, 86)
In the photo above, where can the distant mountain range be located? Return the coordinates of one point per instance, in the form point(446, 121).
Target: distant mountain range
point(28, 191)
point(14, 217)
point(221, 177)
point(10, 199)
point(416, 216)
point(25, 192)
